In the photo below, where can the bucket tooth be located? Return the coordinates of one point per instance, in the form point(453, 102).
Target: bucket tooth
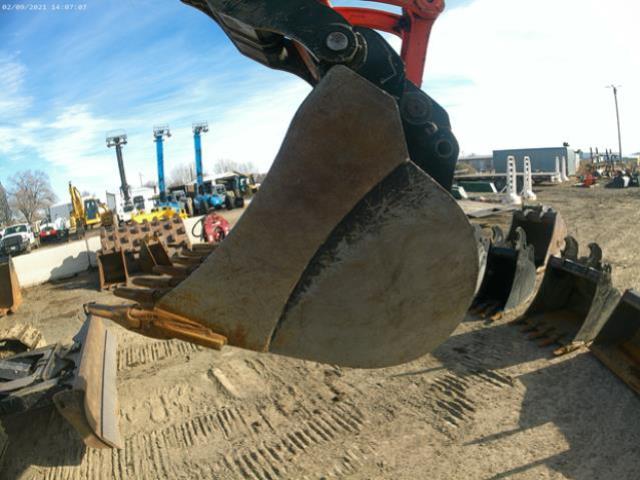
point(510, 274)
point(617, 345)
point(357, 278)
point(545, 230)
point(576, 297)
point(10, 295)
point(112, 269)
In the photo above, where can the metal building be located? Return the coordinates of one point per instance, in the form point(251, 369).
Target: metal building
point(542, 159)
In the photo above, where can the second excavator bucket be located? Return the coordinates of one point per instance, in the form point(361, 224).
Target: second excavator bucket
point(617, 345)
point(153, 254)
point(10, 296)
point(545, 230)
point(371, 263)
point(510, 275)
point(574, 300)
point(91, 404)
point(112, 269)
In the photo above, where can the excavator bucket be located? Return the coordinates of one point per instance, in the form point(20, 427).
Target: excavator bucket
point(10, 296)
point(371, 263)
point(617, 345)
point(574, 301)
point(91, 404)
point(484, 244)
point(545, 230)
point(153, 254)
point(510, 275)
point(112, 269)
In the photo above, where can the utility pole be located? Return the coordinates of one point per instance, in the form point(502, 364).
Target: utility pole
point(615, 98)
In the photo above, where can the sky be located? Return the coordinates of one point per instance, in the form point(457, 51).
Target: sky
point(511, 73)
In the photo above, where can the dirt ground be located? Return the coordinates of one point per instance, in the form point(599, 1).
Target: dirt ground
point(487, 404)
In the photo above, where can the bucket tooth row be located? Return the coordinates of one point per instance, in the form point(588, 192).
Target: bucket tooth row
point(574, 300)
point(545, 230)
point(617, 345)
point(10, 295)
point(510, 275)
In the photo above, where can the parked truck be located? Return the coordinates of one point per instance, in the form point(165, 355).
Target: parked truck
point(17, 239)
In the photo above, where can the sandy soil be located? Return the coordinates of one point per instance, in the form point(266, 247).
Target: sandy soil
point(488, 404)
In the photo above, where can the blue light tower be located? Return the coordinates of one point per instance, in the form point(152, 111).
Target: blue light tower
point(159, 132)
point(199, 128)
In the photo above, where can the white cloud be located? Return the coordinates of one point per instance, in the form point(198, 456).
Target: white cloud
point(12, 75)
point(537, 72)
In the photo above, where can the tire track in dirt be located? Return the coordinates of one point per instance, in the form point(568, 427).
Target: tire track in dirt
point(142, 354)
point(159, 454)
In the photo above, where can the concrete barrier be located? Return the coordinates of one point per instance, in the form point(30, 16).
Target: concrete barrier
point(54, 263)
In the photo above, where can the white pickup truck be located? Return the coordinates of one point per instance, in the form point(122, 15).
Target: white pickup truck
point(18, 239)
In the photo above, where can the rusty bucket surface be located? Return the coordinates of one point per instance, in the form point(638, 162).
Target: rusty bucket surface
point(574, 300)
point(617, 345)
point(112, 269)
point(10, 296)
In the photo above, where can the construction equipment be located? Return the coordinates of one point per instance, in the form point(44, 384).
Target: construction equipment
point(87, 213)
point(10, 295)
point(213, 228)
point(510, 275)
point(117, 139)
point(80, 380)
point(132, 248)
point(545, 230)
point(112, 269)
point(203, 200)
point(167, 205)
point(617, 344)
point(574, 301)
point(372, 262)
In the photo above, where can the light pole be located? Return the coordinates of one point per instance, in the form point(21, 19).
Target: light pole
point(615, 98)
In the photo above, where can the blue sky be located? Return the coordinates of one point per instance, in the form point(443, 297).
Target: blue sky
point(66, 78)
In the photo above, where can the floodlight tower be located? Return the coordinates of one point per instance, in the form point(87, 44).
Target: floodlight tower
point(159, 132)
point(198, 128)
point(118, 139)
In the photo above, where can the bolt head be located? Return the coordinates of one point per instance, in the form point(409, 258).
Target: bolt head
point(337, 41)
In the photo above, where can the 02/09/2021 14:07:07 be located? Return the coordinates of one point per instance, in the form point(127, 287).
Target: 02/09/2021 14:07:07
point(43, 7)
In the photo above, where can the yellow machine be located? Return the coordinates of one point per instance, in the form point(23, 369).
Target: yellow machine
point(159, 213)
point(88, 212)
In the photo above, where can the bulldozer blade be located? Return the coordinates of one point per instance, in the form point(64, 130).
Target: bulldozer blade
point(19, 339)
point(91, 405)
point(617, 345)
point(545, 230)
point(152, 254)
point(10, 296)
point(112, 269)
point(371, 263)
point(510, 274)
point(575, 298)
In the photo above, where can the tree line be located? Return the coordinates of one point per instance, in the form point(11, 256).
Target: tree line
point(27, 197)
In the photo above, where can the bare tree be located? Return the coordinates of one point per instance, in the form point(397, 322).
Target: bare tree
point(5, 209)
point(31, 194)
point(181, 175)
point(223, 165)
